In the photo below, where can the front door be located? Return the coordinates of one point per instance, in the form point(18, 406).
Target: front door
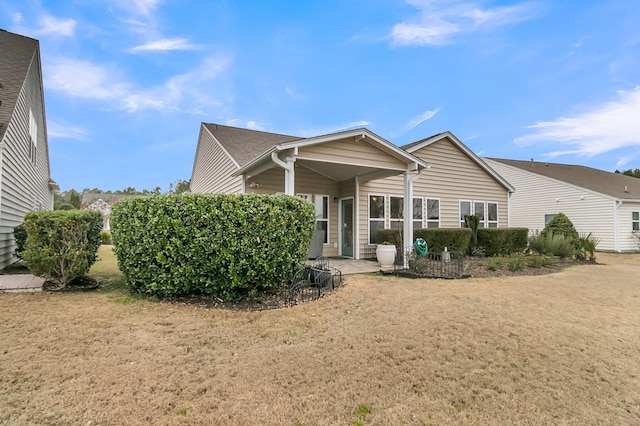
point(346, 213)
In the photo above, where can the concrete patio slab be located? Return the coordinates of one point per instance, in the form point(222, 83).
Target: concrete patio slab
point(14, 283)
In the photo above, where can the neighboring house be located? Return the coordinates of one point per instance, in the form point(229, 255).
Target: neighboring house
point(25, 180)
point(101, 203)
point(358, 181)
point(603, 203)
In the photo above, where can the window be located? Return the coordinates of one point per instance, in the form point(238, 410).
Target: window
point(548, 218)
point(396, 205)
point(492, 215)
point(33, 137)
point(478, 210)
point(465, 210)
point(433, 213)
point(322, 215)
point(376, 217)
point(635, 221)
point(418, 213)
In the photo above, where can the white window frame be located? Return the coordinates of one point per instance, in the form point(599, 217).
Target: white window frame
point(483, 218)
point(420, 220)
point(326, 220)
point(383, 219)
point(493, 223)
point(395, 220)
point(432, 221)
point(460, 215)
point(635, 222)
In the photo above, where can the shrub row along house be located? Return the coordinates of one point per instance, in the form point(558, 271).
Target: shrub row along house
point(25, 181)
point(358, 181)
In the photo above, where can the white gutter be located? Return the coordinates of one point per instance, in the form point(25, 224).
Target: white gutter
point(289, 173)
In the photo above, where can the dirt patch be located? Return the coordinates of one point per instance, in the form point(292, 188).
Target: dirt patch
point(560, 348)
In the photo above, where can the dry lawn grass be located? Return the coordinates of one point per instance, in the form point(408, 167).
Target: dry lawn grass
point(551, 349)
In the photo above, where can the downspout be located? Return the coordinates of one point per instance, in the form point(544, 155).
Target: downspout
point(356, 213)
point(288, 172)
point(408, 216)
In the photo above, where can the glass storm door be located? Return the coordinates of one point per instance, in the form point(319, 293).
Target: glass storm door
point(346, 207)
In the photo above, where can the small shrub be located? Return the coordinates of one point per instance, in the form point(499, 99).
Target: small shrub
point(20, 236)
point(561, 225)
point(503, 241)
point(494, 263)
point(61, 245)
point(588, 244)
point(516, 263)
point(105, 237)
point(552, 245)
point(538, 261)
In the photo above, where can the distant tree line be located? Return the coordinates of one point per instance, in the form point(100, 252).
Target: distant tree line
point(633, 173)
point(72, 199)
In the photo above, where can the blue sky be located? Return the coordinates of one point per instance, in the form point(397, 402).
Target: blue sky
point(128, 82)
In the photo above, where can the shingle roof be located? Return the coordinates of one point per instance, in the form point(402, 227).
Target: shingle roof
point(16, 55)
point(612, 184)
point(245, 145)
point(412, 144)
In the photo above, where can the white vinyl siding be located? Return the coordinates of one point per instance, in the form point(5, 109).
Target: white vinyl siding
point(25, 172)
point(538, 198)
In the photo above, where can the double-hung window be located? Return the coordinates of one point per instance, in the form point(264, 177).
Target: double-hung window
point(418, 213)
point(465, 210)
point(635, 221)
point(478, 210)
point(492, 215)
point(433, 213)
point(396, 218)
point(322, 215)
point(376, 217)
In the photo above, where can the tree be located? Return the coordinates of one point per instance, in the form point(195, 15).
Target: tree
point(75, 199)
point(633, 173)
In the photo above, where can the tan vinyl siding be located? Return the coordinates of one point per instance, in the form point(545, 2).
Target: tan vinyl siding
point(213, 168)
point(453, 176)
point(25, 185)
point(538, 195)
point(350, 152)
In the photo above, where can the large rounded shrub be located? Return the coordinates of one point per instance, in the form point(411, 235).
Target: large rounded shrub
point(560, 225)
point(227, 246)
point(61, 245)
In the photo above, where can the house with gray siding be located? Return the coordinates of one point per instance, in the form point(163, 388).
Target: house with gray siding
point(603, 203)
point(358, 181)
point(25, 180)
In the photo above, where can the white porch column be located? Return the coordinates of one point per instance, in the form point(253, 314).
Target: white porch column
point(356, 219)
point(289, 172)
point(408, 214)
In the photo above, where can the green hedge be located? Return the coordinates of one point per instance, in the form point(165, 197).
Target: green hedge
point(20, 236)
point(227, 246)
point(61, 245)
point(502, 241)
point(454, 239)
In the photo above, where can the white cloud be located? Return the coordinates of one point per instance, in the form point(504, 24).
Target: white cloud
point(412, 124)
point(52, 25)
point(604, 128)
point(85, 80)
point(137, 7)
point(441, 20)
point(82, 79)
point(165, 44)
point(65, 131)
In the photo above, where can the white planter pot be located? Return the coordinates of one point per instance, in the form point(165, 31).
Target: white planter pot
point(386, 255)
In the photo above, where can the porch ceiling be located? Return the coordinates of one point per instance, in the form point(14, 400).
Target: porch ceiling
point(341, 172)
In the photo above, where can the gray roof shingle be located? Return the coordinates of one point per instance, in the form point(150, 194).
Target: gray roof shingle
point(16, 54)
point(245, 145)
point(611, 184)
